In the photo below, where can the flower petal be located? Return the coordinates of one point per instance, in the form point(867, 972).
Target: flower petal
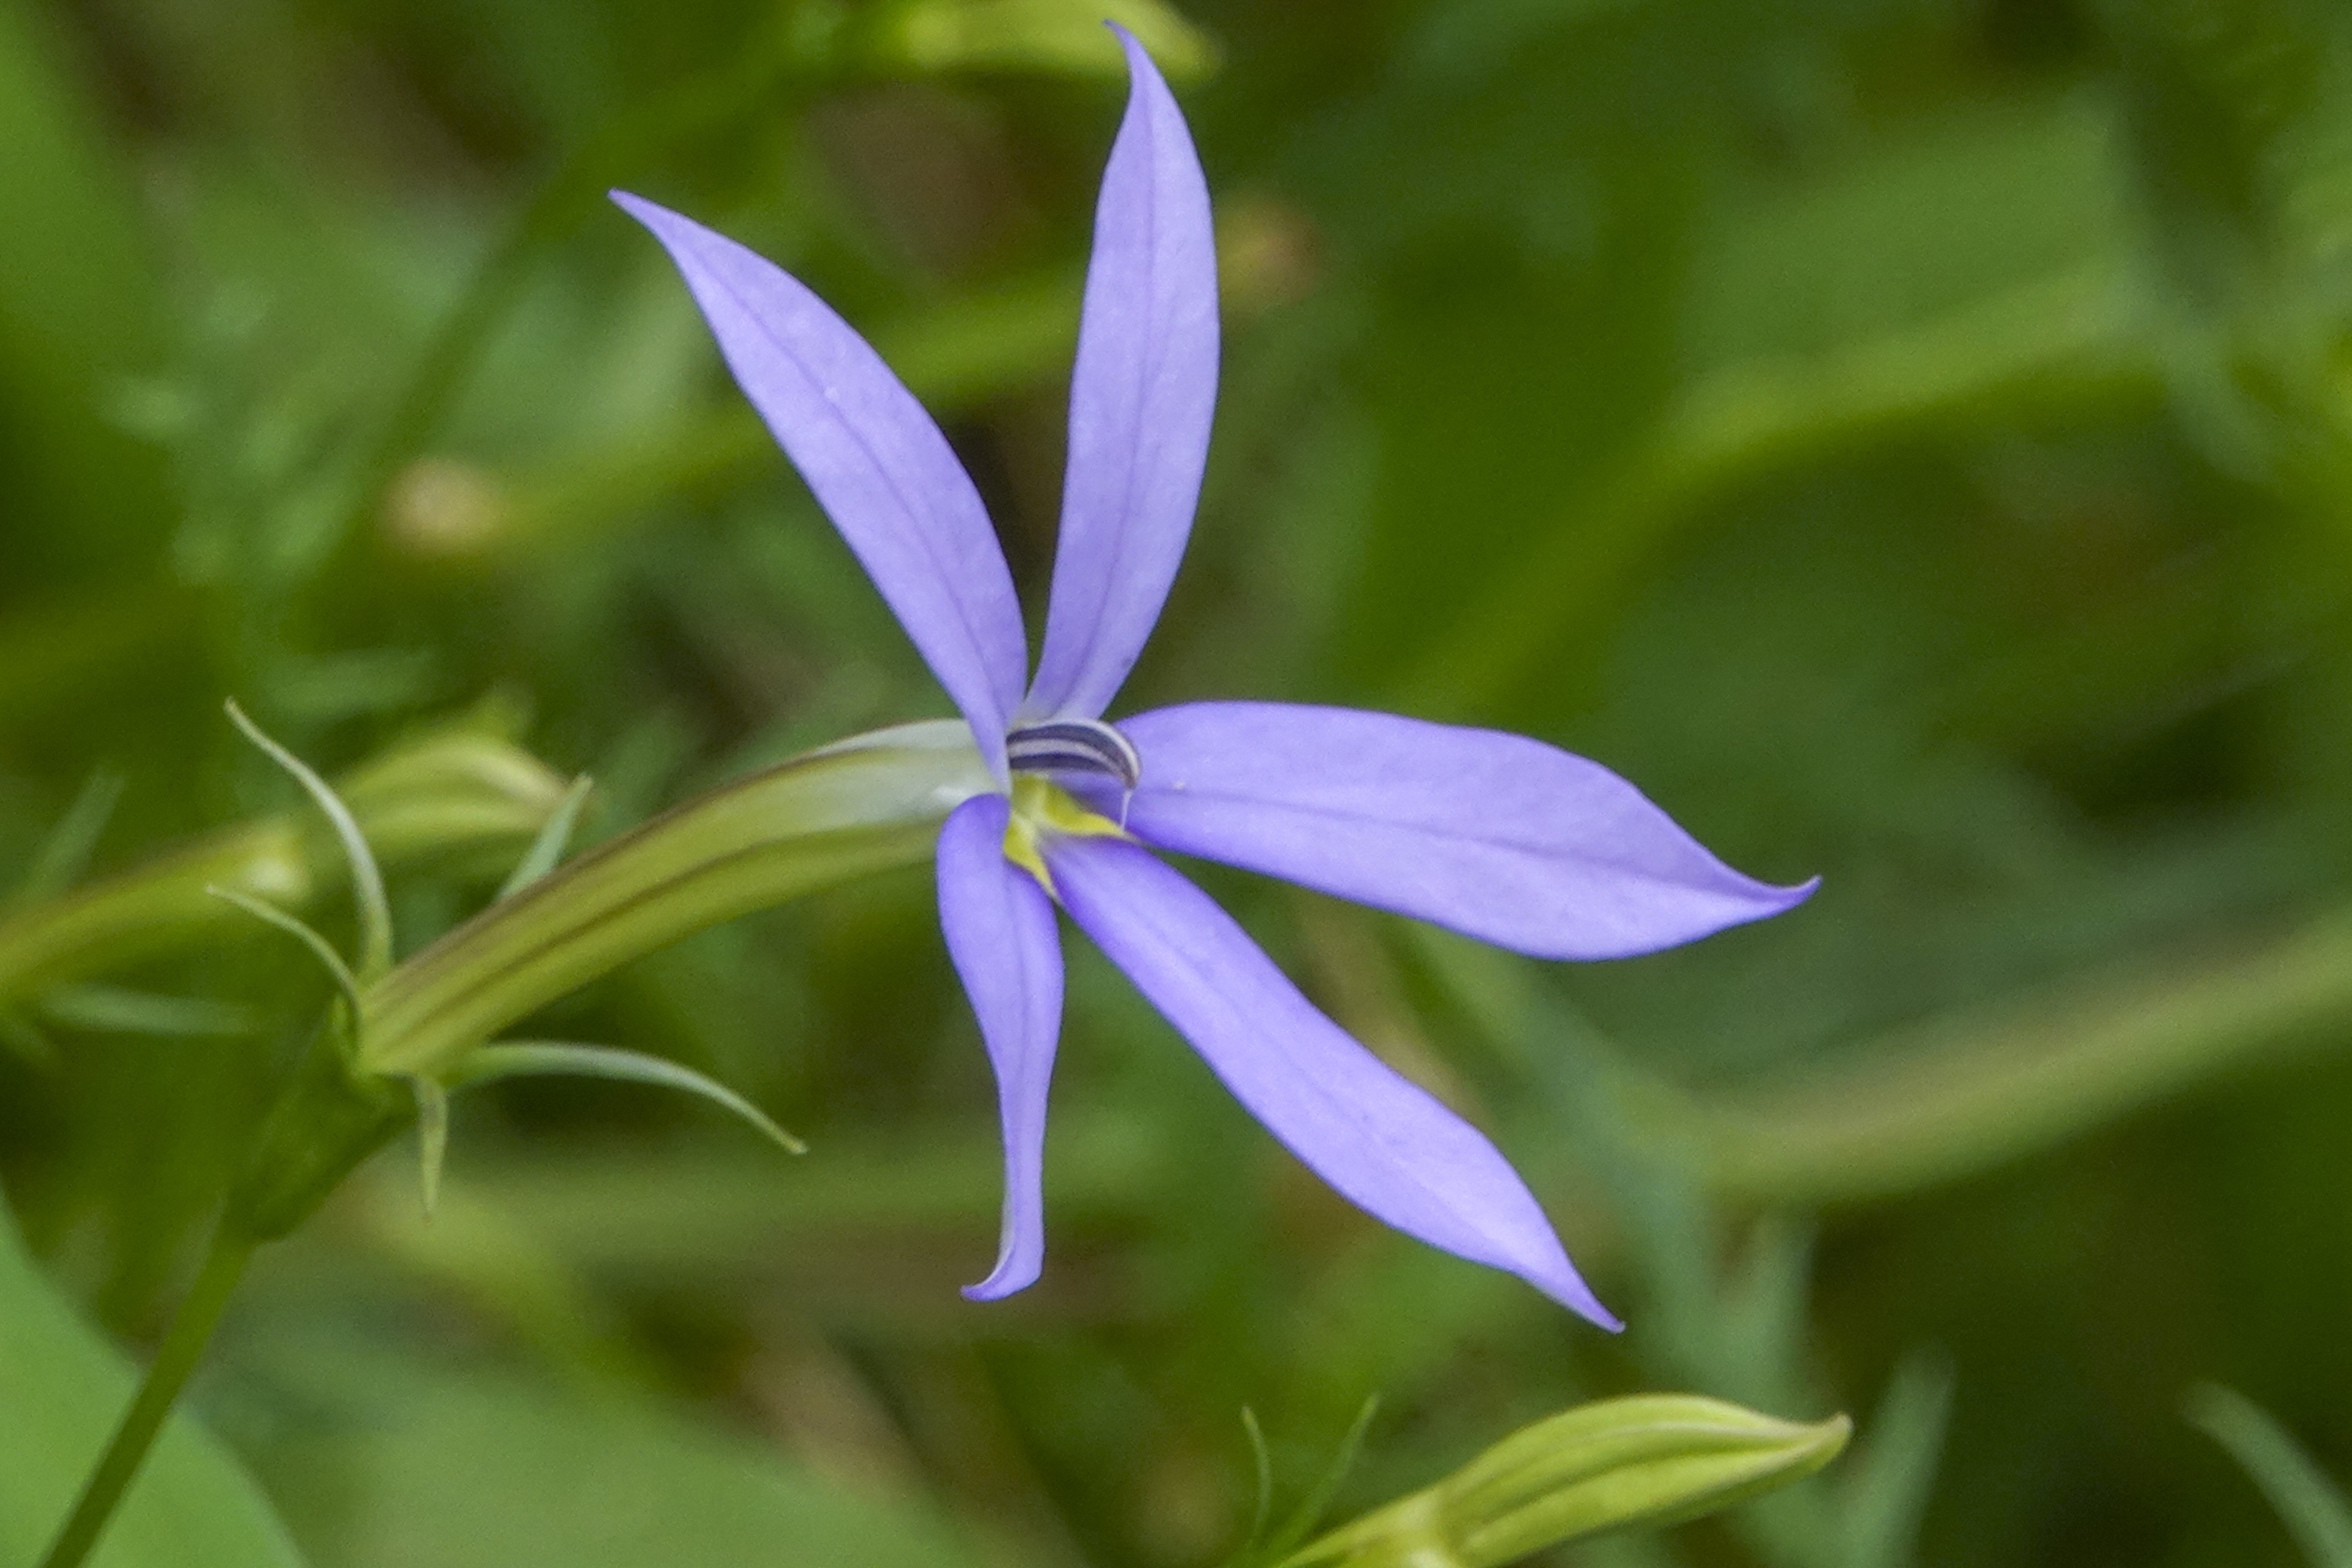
point(1504, 838)
point(1141, 401)
point(875, 460)
point(1386, 1144)
point(1000, 931)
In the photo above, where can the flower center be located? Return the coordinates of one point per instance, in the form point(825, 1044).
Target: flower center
point(1041, 808)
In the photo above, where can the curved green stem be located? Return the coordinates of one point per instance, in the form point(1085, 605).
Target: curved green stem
point(175, 1358)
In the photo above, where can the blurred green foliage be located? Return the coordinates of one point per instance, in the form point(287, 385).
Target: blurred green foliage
point(61, 1385)
point(2310, 1504)
point(1908, 437)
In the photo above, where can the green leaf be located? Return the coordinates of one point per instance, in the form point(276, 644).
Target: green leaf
point(113, 1009)
point(543, 1058)
point(1643, 1460)
point(65, 854)
point(2313, 1506)
point(1889, 1482)
point(25, 1039)
point(1967, 1092)
point(2234, 106)
point(1309, 1512)
point(78, 307)
point(397, 1465)
point(61, 1386)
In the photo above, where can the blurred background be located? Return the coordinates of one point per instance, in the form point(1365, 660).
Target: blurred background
point(1912, 440)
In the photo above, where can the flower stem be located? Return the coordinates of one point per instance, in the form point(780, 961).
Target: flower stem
point(175, 1358)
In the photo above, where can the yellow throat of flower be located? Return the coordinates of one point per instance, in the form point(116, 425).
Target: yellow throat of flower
point(1040, 807)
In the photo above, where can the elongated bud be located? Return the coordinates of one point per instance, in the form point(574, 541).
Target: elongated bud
point(452, 795)
point(408, 1034)
point(855, 809)
point(1648, 1459)
point(458, 794)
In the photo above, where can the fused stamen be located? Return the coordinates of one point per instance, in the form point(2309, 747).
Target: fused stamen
point(1075, 746)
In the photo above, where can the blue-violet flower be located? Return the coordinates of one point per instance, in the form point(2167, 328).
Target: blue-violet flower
point(1500, 837)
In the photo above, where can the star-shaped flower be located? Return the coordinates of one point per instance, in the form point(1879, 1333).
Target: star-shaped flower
point(1500, 837)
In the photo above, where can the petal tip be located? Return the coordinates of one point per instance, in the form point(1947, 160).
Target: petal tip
point(1564, 1285)
point(1140, 66)
point(1009, 1279)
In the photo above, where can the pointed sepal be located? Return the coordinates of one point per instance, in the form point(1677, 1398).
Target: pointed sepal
point(547, 1059)
point(367, 877)
point(432, 1139)
point(547, 849)
point(300, 931)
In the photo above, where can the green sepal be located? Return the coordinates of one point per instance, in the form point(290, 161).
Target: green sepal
point(432, 1139)
point(547, 1058)
point(367, 877)
point(1262, 1472)
point(1647, 1460)
point(547, 847)
point(303, 931)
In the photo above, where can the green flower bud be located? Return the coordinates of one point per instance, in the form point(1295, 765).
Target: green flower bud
point(1648, 1459)
point(847, 811)
point(454, 794)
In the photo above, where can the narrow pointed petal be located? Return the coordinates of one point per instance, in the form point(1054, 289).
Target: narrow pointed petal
point(1000, 932)
point(1141, 401)
point(1383, 1142)
point(875, 460)
point(1496, 836)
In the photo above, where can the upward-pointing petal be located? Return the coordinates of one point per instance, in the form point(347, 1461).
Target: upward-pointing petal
point(1141, 401)
point(875, 460)
point(1385, 1143)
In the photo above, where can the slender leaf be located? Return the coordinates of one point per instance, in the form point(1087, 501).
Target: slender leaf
point(65, 854)
point(113, 1009)
point(1887, 1488)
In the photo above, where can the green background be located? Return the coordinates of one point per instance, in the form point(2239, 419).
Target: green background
point(1912, 440)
